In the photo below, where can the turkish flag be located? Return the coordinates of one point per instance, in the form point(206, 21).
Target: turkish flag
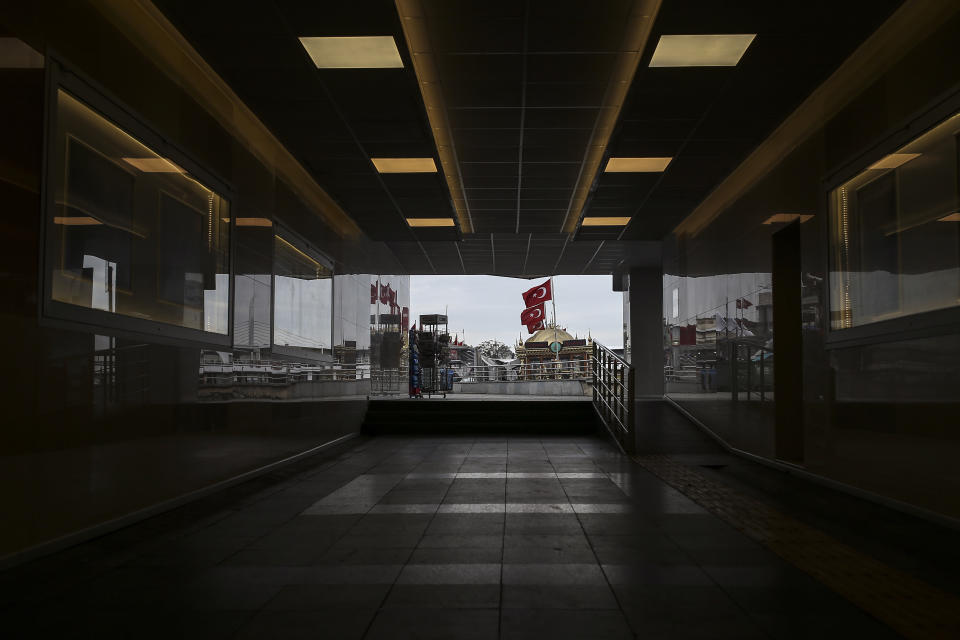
point(533, 328)
point(540, 293)
point(385, 294)
point(533, 315)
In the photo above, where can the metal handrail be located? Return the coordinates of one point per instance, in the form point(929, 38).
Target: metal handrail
point(550, 370)
point(614, 395)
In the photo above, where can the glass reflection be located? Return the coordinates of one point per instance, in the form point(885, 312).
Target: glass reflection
point(895, 233)
point(133, 233)
point(302, 298)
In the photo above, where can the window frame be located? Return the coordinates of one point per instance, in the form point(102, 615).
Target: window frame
point(907, 326)
point(56, 314)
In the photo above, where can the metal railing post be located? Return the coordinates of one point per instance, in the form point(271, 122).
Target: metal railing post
point(762, 367)
point(631, 408)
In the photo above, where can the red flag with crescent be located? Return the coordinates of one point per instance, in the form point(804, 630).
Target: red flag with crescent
point(533, 328)
point(538, 294)
point(533, 315)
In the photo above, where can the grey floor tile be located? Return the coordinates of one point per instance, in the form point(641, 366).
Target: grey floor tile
point(553, 574)
point(563, 623)
point(460, 540)
point(456, 555)
point(337, 622)
point(448, 596)
point(440, 624)
point(450, 574)
point(312, 597)
point(517, 596)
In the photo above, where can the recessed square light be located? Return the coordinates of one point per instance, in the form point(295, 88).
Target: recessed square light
point(405, 165)
point(430, 222)
point(788, 217)
point(353, 52)
point(893, 161)
point(717, 50)
point(953, 217)
point(153, 165)
point(601, 221)
point(637, 165)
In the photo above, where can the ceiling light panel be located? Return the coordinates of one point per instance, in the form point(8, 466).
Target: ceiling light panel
point(405, 165)
point(637, 165)
point(430, 222)
point(718, 50)
point(355, 52)
point(600, 221)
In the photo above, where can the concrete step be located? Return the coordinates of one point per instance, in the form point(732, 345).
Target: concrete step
point(459, 417)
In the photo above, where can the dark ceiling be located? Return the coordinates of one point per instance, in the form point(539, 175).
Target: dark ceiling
point(522, 82)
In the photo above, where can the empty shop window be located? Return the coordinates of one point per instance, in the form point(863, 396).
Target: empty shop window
point(895, 233)
point(132, 236)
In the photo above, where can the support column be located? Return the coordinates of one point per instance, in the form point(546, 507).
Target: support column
point(643, 348)
point(643, 329)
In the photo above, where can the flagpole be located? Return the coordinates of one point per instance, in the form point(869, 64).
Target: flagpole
point(553, 300)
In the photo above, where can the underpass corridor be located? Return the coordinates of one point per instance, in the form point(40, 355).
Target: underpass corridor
point(472, 536)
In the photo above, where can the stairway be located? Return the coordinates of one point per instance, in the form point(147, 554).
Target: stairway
point(462, 417)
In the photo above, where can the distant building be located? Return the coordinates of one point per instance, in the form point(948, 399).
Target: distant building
point(552, 344)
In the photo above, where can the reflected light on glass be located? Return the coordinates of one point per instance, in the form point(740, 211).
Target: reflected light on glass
point(355, 52)
point(893, 161)
point(17, 54)
point(637, 165)
point(599, 221)
point(252, 222)
point(153, 165)
point(430, 222)
point(717, 50)
point(405, 165)
point(788, 217)
point(75, 220)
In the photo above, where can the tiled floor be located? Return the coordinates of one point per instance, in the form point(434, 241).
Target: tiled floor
point(433, 538)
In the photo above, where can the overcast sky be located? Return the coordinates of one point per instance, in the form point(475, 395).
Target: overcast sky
point(489, 307)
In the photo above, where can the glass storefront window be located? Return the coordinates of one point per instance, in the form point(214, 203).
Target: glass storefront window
point(303, 297)
point(131, 232)
point(895, 233)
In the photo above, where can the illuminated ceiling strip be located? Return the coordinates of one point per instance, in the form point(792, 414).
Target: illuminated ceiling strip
point(148, 29)
point(892, 161)
point(154, 164)
point(913, 21)
point(953, 217)
point(639, 24)
point(413, 19)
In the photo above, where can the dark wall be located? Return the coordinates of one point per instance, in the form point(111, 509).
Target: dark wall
point(879, 414)
point(95, 425)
